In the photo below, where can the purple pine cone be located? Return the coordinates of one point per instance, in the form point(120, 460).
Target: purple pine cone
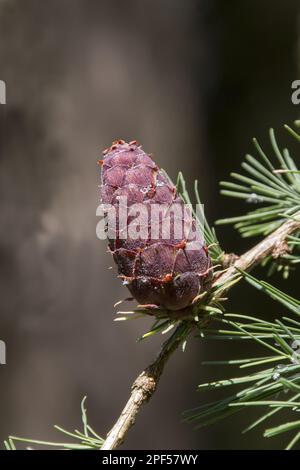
point(166, 271)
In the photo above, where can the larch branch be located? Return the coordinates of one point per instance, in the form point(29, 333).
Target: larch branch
point(146, 383)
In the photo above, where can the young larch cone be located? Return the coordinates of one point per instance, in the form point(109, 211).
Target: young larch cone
point(160, 268)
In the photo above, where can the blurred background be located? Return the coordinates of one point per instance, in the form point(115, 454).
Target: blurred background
point(193, 81)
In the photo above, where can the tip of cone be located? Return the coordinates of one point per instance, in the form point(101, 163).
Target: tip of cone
point(120, 142)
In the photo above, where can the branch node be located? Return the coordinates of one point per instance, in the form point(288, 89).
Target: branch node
point(280, 249)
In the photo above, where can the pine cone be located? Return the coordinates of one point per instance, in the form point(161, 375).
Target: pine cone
point(166, 272)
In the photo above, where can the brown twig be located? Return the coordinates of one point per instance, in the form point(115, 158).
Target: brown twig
point(144, 387)
point(146, 383)
point(269, 245)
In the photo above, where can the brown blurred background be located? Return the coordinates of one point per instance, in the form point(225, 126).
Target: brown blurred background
point(193, 81)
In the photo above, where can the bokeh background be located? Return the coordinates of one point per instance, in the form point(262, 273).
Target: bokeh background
point(192, 81)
